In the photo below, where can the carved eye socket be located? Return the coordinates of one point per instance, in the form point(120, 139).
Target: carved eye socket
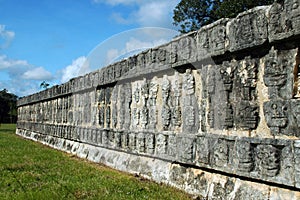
point(284, 108)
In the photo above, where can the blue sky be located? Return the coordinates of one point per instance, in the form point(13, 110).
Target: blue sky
point(52, 39)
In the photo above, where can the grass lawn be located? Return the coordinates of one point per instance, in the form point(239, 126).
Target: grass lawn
point(30, 170)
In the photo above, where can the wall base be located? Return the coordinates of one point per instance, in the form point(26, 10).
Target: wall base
point(194, 181)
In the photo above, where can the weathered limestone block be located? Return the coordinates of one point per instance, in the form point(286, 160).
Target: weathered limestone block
point(202, 151)
point(141, 143)
point(190, 107)
point(161, 144)
point(176, 110)
point(172, 147)
point(166, 110)
point(184, 50)
point(245, 156)
point(267, 160)
point(212, 39)
point(248, 29)
point(284, 20)
point(118, 140)
point(150, 143)
point(279, 72)
point(185, 149)
point(153, 90)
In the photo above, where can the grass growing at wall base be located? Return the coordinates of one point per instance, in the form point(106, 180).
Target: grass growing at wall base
point(30, 170)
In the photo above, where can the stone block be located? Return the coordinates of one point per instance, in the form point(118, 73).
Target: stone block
point(212, 39)
point(248, 29)
point(185, 149)
point(284, 20)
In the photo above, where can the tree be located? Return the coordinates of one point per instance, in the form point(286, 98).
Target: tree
point(190, 15)
point(8, 107)
point(44, 85)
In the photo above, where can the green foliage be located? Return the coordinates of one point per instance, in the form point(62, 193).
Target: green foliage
point(190, 15)
point(8, 107)
point(30, 170)
point(44, 85)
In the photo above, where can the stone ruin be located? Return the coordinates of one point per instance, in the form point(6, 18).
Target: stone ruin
point(215, 112)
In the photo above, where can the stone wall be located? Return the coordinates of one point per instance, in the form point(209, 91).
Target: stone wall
point(214, 112)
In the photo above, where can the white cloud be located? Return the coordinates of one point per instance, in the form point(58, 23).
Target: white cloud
point(147, 13)
point(6, 37)
point(78, 67)
point(156, 13)
point(5, 62)
point(20, 77)
point(38, 73)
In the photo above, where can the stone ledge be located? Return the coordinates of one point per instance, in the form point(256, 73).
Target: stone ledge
point(269, 160)
point(194, 181)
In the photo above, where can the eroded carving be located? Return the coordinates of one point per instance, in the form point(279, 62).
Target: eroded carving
point(203, 152)
point(161, 144)
point(152, 103)
point(176, 110)
point(185, 148)
point(276, 115)
point(267, 160)
point(166, 111)
point(245, 157)
point(144, 98)
point(189, 100)
point(221, 153)
point(275, 75)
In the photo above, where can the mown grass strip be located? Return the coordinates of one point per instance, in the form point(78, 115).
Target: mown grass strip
point(30, 170)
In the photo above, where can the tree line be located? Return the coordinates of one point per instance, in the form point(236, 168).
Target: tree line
point(8, 107)
point(190, 15)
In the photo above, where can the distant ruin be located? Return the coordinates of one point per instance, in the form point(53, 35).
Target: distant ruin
point(215, 112)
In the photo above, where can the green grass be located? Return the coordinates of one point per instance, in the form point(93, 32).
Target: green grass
point(30, 170)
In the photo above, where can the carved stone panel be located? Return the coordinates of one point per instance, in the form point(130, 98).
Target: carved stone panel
point(185, 150)
point(172, 146)
point(144, 112)
point(284, 19)
point(153, 90)
point(166, 111)
point(245, 156)
point(161, 144)
point(220, 155)
point(202, 150)
point(267, 161)
point(248, 29)
point(186, 50)
point(190, 106)
point(212, 39)
point(279, 73)
point(276, 114)
point(141, 143)
point(282, 117)
point(125, 100)
point(105, 137)
point(176, 101)
point(150, 143)
point(132, 141)
point(114, 107)
point(118, 139)
point(124, 140)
